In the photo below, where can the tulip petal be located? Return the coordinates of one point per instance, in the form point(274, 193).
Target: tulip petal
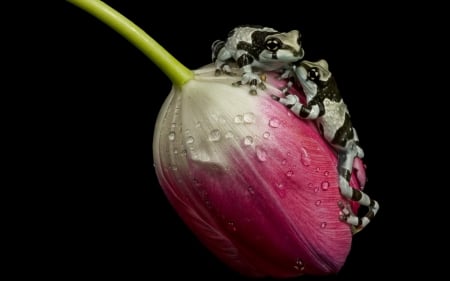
point(257, 185)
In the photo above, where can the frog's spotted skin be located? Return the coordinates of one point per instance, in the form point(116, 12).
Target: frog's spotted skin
point(325, 105)
point(255, 48)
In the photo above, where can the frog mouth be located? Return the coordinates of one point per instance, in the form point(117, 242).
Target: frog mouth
point(300, 54)
point(284, 55)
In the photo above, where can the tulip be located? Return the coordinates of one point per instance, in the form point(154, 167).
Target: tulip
point(257, 185)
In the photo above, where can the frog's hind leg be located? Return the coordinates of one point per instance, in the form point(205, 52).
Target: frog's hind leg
point(345, 158)
point(220, 56)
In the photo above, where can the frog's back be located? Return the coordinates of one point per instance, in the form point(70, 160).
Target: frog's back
point(244, 33)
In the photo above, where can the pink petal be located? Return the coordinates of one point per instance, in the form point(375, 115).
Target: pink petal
point(270, 206)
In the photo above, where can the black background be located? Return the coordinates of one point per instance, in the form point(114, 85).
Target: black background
point(87, 102)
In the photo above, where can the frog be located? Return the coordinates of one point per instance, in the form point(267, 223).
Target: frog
point(325, 105)
point(255, 50)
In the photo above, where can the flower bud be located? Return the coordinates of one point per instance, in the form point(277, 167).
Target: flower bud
point(256, 184)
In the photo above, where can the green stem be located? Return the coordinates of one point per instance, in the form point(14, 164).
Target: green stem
point(174, 70)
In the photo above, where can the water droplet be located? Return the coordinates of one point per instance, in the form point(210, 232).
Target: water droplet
point(317, 169)
point(172, 136)
point(231, 226)
point(248, 140)
point(326, 173)
point(323, 225)
point(283, 162)
point(305, 159)
point(316, 189)
point(189, 140)
point(239, 119)
point(274, 123)
point(318, 202)
point(290, 173)
point(175, 151)
point(251, 190)
point(214, 135)
point(229, 135)
point(279, 187)
point(249, 117)
point(184, 153)
point(261, 154)
point(266, 135)
point(325, 185)
point(299, 265)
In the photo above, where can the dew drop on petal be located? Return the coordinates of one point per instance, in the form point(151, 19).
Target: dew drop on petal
point(318, 202)
point(231, 226)
point(248, 140)
point(214, 135)
point(266, 135)
point(305, 159)
point(289, 173)
point(261, 154)
point(279, 188)
point(323, 225)
point(326, 173)
point(229, 135)
point(316, 189)
point(283, 162)
point(239, 119)
point(299, 265)
point(274, 123)
point(325, 185)
point(189, 140)
point(251, 190)
point(249, 117)
point(175, 151)
point(172, 136)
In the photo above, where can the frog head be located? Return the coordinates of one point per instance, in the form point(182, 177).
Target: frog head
point(282, 46)
point(312, 75)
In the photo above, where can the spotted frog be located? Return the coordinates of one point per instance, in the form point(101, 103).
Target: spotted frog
point(257, 48)
point(325, 105)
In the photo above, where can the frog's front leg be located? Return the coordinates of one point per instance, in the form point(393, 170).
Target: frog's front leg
point(287, 74)
point(312, 110)
point(345, 160)
point(220, 57)
point(249, 77)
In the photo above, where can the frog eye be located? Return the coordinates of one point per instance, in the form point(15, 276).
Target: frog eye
point(273, 44)
point(313, 74)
